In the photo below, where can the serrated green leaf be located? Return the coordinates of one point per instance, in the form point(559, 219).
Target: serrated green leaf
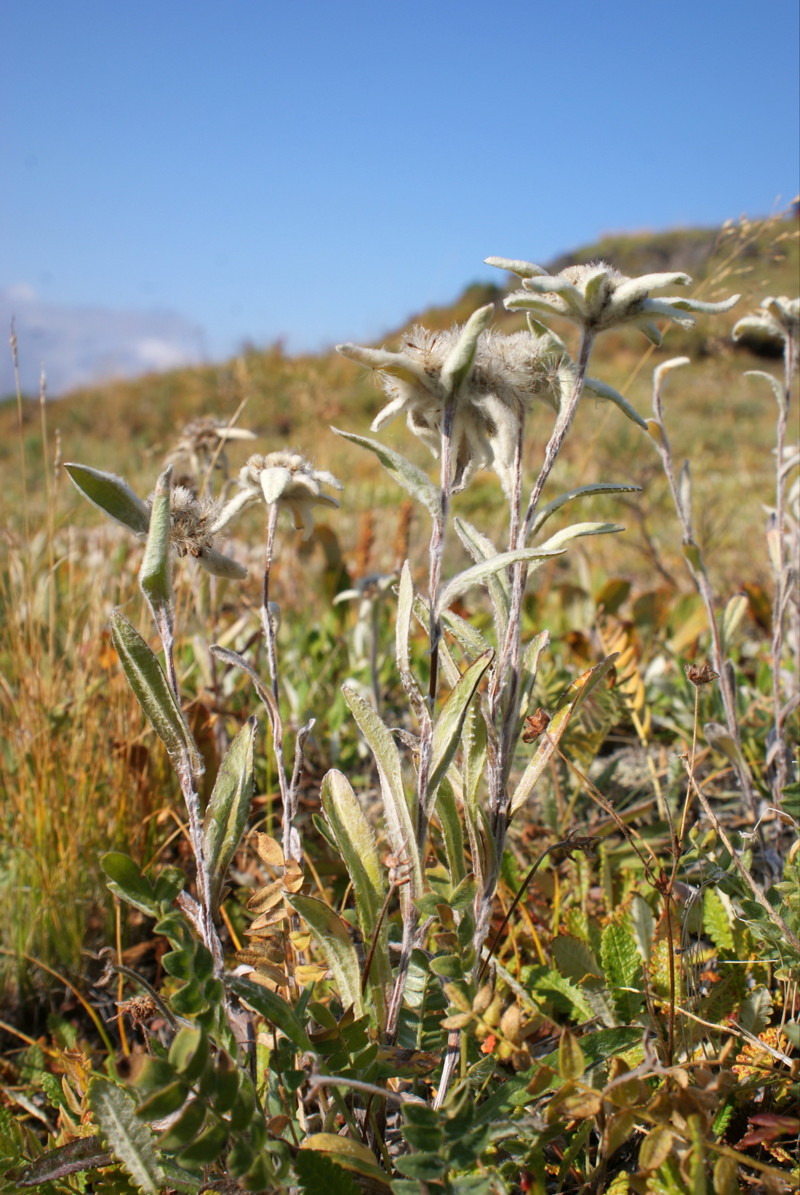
point(406, 474)
point(333, 938)
point(146, 677)
point(226, 816)
point(126, 1136)
point(387, 757)
point(318, 1172)
point(127, 882)
point(352, 1155)
point(717, 911)
point(574, 959)
point(622, 966)
point(112, 495)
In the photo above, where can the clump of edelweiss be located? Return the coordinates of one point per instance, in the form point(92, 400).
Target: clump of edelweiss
point(597, 297)
point(491, 379)
point(778, 320)
point(289, 480)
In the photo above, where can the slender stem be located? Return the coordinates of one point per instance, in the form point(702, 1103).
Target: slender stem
point(783, 572)
point(276, 723)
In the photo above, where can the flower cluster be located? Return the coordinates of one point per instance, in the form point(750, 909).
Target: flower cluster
point(506, 376)
point(202, 445)
point(288, 479)
point(597, 297)
point(778, 320)
point(194, 522)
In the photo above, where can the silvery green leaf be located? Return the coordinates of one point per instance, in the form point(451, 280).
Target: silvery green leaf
point(777, 387)
point(600, 487)
point(395, 805)
point(530, 661)
point(470, 638)
point(245, 497)
point(405, 606)
point(128, 1138)
point(146, 677)
point(226, 814)
point(356, 842)
point(576, 530)
point(702, 307)
point(447, 812)
point(593, 386)
point(219, 565)
point(406, 474)
point(155, 571)
point(333, 938)
point(566, 706)
point(523, 269)
point(732, 617)
point(112, 495)
point(459, 360)
point(447, 731)
point(479, 572)
point(481, 548)
point(397, 364)
point(637, 288)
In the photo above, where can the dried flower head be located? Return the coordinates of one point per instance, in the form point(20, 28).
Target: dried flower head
point(701, 674)
point(598, 297)
point(288, 479)
point(778, 320)
point(201, 444)
point(505, 376)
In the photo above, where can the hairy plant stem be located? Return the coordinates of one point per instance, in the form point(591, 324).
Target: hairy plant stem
point(696, 566)
point(276, 723)
point(785, 575)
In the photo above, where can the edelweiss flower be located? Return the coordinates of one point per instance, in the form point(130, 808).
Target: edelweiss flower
point(288, 479)
point(202, 442)
point(503, 378)
point(597, 297)
point(193, 524)
point(778, 319)
point(193, 521)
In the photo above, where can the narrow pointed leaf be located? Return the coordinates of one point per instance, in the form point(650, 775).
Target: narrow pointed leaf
point(569, 702)
point(776, 386)
point(155, 571)
point(447, 731)
point(387, 757)
point(333, 938)
point(459, 360)
point(602, 487)
point(479, 572)
point(128, 1138)
point(481, 548)
point(146, 677)
point(405, 607)
point(226, 816)
point(577, 530)
point(602, 390)
point(84, 1153)
point(406, 474)
point(112, 495)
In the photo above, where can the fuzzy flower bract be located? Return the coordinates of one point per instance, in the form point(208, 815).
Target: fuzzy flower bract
point(288, 479)
point(597, 297)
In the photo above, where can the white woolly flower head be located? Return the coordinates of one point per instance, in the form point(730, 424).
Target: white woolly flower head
point(598, 297)
point(290, 480)
point(193, 524)
point(777, 319)
point(504, 377)
point(202, 444)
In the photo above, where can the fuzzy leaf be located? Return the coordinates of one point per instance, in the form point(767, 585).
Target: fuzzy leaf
point(387, 757)
point(146, 678)
point(601, 487)
point(576, 531)
point(459, 360)
point(487, 568)
point(481, 548)
point(356, 842)
point(333, 938)
point(447, 731)
point(226, 814)
point(405, 608)
point(130, 1140)
point(155, 572)
point(112, 495)
point(406, 474)
point(569, 702)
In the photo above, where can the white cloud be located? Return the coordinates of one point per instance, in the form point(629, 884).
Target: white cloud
point(81, 345)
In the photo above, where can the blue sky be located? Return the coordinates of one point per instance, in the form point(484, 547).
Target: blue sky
point(207, 172)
